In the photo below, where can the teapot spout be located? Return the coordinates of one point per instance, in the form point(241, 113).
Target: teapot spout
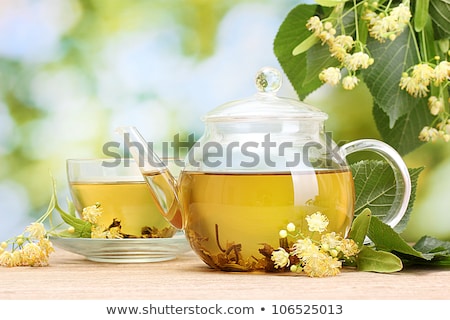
point(163, 185)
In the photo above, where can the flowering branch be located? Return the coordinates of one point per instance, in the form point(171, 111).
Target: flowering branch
point(401, 57)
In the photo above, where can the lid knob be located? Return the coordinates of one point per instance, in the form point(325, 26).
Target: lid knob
point(268, 79)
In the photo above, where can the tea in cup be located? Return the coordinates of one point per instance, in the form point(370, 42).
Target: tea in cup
point(117, 186)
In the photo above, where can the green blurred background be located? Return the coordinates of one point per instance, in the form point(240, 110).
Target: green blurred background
point(71, 71)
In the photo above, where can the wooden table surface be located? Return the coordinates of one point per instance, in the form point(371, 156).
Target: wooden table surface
point(71, 276)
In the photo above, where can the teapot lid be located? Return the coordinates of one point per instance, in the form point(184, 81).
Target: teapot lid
point(265, 104)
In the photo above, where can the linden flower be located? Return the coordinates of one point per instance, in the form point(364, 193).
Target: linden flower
point(402, 13)
point(46, 246)
point(428, 134)
point(444, 130)
point(382, 27)
point(338, 51)
point(423, 73)
point(317, 222)
point(442, 72)
point(98, 231)
point(379, 27)
point(17, 258)
point(304, 248)
point(36, 230)
point(340, 46)
point(315, 25)
point(33, 255)
point(92, 213)
point(327, 36)
point(280, 257)
point(357, 60)
point(322, 265)
point(349, 82)
point(349, 248)
point(330, 241)
point(6, 259)
point(344, 41)
point(444, 126)
point(435, 105)
point(413, 86)
point(331, 75)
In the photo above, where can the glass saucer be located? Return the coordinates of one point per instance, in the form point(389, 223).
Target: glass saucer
point(125, 250)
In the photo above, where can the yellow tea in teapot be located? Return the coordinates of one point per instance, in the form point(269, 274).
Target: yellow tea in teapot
point(229, 217)
point(130, 202)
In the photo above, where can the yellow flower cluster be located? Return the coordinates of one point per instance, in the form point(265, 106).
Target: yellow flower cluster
point(315, 258)
point(384, 21)
point(387, 23)
point(340, 47)
point(351, 53)
point(29, 249)
point(417, 82)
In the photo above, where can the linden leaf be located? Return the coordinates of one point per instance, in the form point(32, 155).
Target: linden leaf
point(291, 33)
point(436, 251)
point(360, 226)
point(437, 247)
point(440, 14)
point(378, 261)
point(375, 189)
point(330, 3)
point(391, 59)
point(404, 135)
point(386, 239)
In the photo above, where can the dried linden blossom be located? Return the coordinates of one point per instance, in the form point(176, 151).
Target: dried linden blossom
point(315, 258)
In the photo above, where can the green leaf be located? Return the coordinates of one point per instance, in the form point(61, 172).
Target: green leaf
point(391, 59)
point(421, 14)
point(440, 15)
point(82, 227)
point(360, 227)
point(318, 59)
point(330, 3)
point(386, 239)
point(428, 244)
point(375, 189)
point(378, 261)
point(291, 33)
point(404, 136)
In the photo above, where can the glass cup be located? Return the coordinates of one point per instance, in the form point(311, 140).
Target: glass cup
point(118, 186)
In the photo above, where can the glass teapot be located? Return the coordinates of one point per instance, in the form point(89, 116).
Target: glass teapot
point(262, 162)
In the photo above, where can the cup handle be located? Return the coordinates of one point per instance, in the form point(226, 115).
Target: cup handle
point(401, 174)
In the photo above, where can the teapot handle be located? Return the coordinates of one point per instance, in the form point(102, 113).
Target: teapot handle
point(401, 174)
